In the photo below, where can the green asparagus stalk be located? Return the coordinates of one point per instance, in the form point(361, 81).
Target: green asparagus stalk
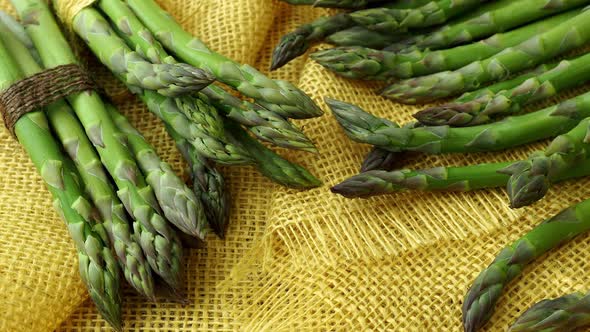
point(530, 179)
point(568, 74)
point(566, 313)
point(502, 16)
point(18, 30)
point(271, 164)
point(369, 64)
point(208, 185)
point(444, 116)
point(179, 204)
point(335, 3)
point(538, 49)
point(379, 159)
point(266, 125)
point(360, 36)
point(467, 178)
point(299, 41)
point(158, 241)
point(278, 96)
point(487, 288)
point(72, 136)
point(98, 268)
point(513, 131)
point(388, 20)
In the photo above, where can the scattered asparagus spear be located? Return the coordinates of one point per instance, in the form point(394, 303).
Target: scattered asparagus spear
point(513, 131)
point(98, 268)
point(390, 20)
point(158, 241)
point(536, 50)
point(179, 204)
point(487, 288)
point(566, 313)
point(360, 36)
point(265, 124)
point(299, 41)
point(209, 185)
point(278, 96)
point(466, 178)
point(369, 64)
point(72, 136)
point(379, 159)
point(530, 179)
point(499, 16)
point(440, 116)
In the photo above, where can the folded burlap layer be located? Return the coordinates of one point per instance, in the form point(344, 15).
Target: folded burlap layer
point(292, 260)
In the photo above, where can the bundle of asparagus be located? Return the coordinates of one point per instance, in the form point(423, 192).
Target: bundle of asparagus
point(503, 56)
point(125, 207)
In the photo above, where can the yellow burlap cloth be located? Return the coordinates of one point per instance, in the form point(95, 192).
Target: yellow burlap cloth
point(292, 260)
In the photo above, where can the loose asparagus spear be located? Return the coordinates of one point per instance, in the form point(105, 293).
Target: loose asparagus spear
point(390, 20)
point(158, 241)
point(209, 185)
point(266, 125)
point(538, 49)
point(369, 64)
point(568, 74)
point(513, 131)
point(335, 3)
point(467, 178)
point(360, 36)
point(299, 41)
point(379, 159)
point(566, 313)
point(487, 288)
point(271, 164)
point(278, 96)
point(72, 136)
point(179, 204)
point(500, 16)
point(98, 268)
point(530, 179)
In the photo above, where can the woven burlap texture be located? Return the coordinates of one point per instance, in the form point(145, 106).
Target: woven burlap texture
point(292, 261)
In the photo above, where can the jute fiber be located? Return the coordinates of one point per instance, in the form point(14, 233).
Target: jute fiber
point(292, 261)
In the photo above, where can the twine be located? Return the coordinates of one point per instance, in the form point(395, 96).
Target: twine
point(68, 9)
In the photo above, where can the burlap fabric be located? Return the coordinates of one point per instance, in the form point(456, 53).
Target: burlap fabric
point(293, 261)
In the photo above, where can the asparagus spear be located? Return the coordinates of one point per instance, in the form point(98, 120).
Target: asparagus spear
point(98, 268)
point(360, 36)
point(538, 49)
point(566, 313)
point(167, 79)
point(390, 20)
point(158, 241)
point(467, 178)
point(266, 125)
point(299, 41)
point(530, 179)
point(179, 204)
point(568, 74)
point(278, 96)
point(67, 128)
point(501, 16)
point(369, 64)
point(271, 164)
point(379, 159)
point(513, 131)
point(209, 185)
point(487, 288)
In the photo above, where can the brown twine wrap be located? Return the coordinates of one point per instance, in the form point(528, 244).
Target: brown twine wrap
point(42, 89)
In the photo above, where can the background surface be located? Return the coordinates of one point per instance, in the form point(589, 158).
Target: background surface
point(292, 260)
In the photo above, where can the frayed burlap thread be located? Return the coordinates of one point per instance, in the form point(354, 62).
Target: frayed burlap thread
point(68, 9)
point(293, 261)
